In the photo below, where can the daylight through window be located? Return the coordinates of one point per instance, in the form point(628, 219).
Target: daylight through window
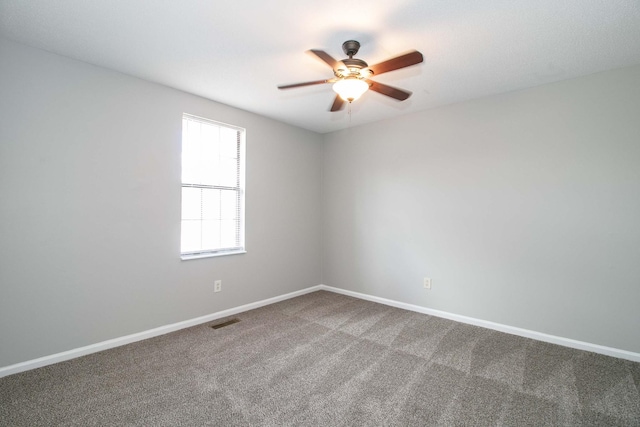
point(212, 188)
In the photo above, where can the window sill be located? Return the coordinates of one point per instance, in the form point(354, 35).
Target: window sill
point(187, 257)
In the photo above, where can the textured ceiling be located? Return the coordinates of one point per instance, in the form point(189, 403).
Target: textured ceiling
point(237, 52)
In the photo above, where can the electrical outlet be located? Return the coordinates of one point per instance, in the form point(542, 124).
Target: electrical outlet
point(217, 286)
point(427, 283)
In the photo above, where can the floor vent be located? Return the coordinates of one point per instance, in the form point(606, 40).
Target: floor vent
point(223, 324)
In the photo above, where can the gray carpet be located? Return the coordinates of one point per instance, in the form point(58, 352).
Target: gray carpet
point(325, 359)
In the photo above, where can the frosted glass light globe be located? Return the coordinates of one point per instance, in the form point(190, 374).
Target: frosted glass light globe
point(350, 88)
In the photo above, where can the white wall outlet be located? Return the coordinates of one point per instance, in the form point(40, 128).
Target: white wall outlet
point(217, 286)
point(427, 283)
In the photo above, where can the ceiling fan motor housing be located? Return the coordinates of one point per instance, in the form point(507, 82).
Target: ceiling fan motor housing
point(354, 67)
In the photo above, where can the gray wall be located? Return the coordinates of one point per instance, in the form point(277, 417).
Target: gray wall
point(523, 208)
point(90, 207)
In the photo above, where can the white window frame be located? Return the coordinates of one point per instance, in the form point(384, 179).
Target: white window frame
point(239, 187)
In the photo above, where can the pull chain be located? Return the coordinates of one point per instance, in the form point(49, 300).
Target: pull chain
point(349, 113)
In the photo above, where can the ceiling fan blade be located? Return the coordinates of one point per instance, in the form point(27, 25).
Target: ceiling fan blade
point(338, 104)
point(406, 60)
point(326, 58)
point(391, 91)
point(316, 82)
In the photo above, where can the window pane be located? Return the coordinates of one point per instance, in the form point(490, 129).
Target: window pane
point(228, 143)
point(210, 134)
point(228, 233)
point(228, 172)
point(191, 232)
point(228, 204)
point(211, 234)
point(191, 203)
point(210, 154)
point(209, 172)
point(190, 151)
point(210, 203)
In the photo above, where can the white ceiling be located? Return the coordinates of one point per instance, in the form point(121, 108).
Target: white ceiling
point(237, 52)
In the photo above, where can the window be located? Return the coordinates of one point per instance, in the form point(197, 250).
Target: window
point(212, 188)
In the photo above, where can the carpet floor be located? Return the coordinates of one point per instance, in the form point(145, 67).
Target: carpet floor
point(325, 359)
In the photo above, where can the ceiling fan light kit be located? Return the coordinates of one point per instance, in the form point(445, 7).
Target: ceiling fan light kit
point(352, 75)
point(350, 88)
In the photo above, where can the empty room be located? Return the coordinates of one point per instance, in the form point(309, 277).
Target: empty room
point(335, 213)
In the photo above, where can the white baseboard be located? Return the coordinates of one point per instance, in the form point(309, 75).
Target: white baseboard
point(566, 342)
point(116, 342)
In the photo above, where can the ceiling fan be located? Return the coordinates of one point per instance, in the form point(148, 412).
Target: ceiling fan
point(352, 75)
